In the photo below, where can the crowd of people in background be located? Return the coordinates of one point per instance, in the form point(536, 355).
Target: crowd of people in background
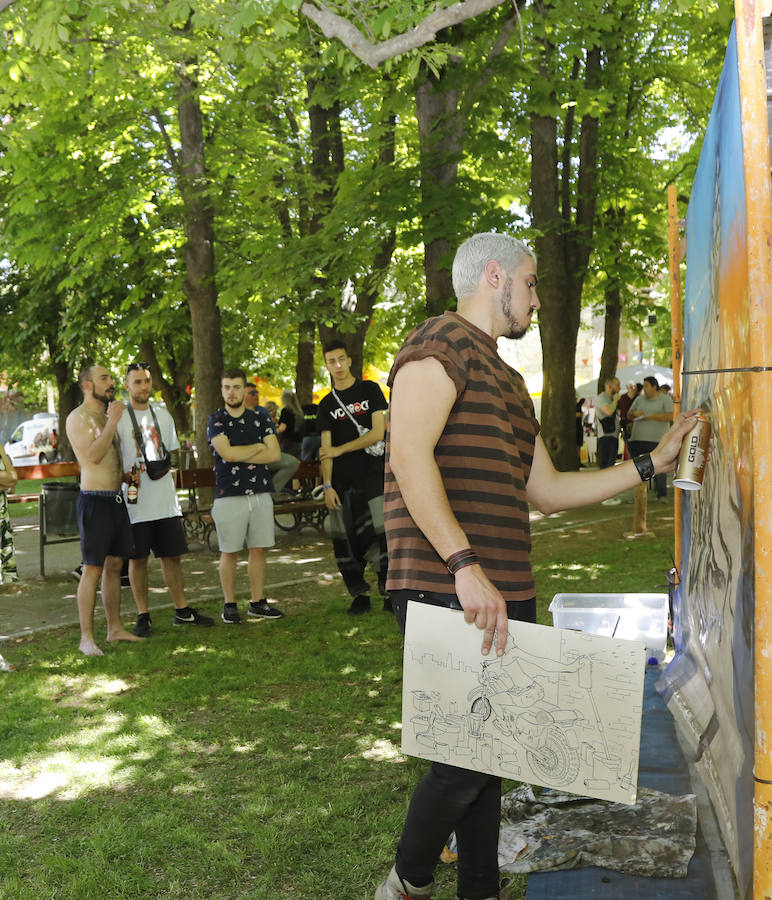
point(607, 419)
point(257, 452)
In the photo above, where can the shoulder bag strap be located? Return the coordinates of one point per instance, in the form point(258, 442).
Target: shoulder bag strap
point(360, 428)
point(157, 428)
point(137, 433)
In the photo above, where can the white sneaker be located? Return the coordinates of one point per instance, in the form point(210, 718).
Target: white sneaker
point(612, 501)
point(396, 888)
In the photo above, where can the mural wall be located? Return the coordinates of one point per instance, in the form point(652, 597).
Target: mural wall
point(710, 682)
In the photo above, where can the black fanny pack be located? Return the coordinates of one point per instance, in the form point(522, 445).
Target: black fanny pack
point(155, 468)
point(609, 424)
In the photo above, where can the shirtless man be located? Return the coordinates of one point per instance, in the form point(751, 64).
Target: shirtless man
point(105, 532)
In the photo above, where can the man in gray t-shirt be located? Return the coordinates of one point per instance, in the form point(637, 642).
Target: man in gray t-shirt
point(607, 422)
point(651, 414)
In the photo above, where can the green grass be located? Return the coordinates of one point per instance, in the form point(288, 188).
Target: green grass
point(258, 761)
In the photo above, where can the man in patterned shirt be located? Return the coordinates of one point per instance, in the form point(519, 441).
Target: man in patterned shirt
point(464, 461)
point(243, 442)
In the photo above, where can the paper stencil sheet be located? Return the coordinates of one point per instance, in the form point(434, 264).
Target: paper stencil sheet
point(560, 708)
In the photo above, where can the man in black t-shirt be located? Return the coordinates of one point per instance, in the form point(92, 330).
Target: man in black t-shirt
point(352, 418)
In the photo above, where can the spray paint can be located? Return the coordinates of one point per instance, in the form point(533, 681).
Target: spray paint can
point(694, 453)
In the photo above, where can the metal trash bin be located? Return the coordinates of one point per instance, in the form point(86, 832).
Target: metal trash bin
point(58, 513)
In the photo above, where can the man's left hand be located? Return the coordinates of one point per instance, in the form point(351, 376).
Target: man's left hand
point(665, 454)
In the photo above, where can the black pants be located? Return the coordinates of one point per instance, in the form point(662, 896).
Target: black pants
point(608, 448)
point(660, 481)
point(358, 537)
point(450, 799)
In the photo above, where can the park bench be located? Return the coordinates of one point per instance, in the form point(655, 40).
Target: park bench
point(56, 503)
point(293, 513)
point(290, 514)
point(197, 516)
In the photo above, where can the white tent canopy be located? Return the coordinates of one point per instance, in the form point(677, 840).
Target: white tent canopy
point(626, 374)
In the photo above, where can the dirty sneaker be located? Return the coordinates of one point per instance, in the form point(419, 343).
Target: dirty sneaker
point(263, 610)
point(360, 604)
point(396, 888)
point(230, 614)
point(142, 628)
point(189, 616)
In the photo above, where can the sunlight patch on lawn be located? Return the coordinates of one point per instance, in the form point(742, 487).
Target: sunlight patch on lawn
point(251, 747)
point(584, 571)
point(155, 725)
point(286, 559)
point(92, 734)
point(73, 690)
point(64, 774)
point(382, 750)
point(101, 686)
point(202, 648)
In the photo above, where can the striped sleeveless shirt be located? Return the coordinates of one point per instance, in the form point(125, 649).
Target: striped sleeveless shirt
point(484, 455)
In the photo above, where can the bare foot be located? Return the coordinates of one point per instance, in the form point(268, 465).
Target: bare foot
point(89, 648)
point(120, 634)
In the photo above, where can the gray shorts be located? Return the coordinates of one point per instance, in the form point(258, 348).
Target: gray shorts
point(240, 520)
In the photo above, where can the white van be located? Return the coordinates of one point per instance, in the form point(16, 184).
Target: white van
point(33, 441)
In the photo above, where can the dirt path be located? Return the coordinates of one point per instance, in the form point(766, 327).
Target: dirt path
point(40, 603)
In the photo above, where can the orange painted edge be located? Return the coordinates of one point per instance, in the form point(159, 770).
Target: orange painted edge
point(758, 199)
point(677, 338)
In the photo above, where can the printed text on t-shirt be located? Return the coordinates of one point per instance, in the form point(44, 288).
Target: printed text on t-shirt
point(360, 406)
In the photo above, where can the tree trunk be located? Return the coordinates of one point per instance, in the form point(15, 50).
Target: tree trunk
point(444, 102)
point(304, 370)
point(558, 325)
point(441, 133)
point(560, 301)
point(68, 397)
point(174, 392)
point(327, 162)
point(199, 284)
point(610, 354)
point(609, 359)
point(563, 249)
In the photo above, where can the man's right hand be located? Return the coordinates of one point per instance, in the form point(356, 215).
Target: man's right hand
point(331, 499)
point(483, 606)
point(115, 410)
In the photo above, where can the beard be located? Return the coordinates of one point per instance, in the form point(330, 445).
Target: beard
point(107, 397)
point(232, 404)
point(516, 329)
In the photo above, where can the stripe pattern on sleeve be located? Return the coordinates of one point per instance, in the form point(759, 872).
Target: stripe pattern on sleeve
point(484, 455)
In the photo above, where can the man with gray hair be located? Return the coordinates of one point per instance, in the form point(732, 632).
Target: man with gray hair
point(464, 461)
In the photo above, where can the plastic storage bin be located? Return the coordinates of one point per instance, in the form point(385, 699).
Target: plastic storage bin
point(633, 617)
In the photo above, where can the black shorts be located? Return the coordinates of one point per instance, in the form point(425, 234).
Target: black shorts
point(104, 527)
point(518, 610)
point(165, 537)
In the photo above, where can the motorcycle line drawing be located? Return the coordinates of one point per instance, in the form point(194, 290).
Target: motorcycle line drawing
point(530, 718)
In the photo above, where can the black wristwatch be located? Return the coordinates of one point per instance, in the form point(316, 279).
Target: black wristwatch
point(645, 466)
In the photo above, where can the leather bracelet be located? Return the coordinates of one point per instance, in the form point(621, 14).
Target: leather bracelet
point(460, 559)
point(645, 466)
